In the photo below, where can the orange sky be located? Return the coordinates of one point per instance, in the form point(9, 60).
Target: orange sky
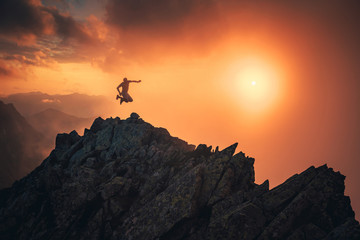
point(197, 61)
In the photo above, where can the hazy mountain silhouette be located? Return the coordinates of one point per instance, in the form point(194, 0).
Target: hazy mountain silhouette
point(21, 146)
point(50, 122)
point(48, 115)
point(125, 179)
point(75, 104)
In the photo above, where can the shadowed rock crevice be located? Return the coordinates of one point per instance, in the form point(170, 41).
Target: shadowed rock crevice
point(189, 228)
point(125, 179)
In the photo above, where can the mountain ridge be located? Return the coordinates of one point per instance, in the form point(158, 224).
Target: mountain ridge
point(52, 121)
point(125, 179)
point(76, 104)
point(21, 145)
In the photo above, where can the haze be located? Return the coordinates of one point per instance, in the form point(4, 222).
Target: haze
point(197, 61)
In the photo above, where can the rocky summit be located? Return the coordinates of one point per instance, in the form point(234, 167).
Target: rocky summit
point(125, 179)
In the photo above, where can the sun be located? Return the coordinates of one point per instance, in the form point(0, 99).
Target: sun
point(256, 85)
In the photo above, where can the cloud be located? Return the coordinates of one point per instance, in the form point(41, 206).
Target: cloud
point(5, 71)
point(146, 31)
point(10, 70)
point(130, 13)
point(16, 61)
point(60, 4)
point(131, 29)
point(161, 16)
point(182, 17)
point(38, 59)
point(23, 20)
point(50, 100)
point(66, 27)
point(34, 34)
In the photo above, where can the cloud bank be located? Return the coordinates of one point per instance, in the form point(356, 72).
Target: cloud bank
point(149, 32)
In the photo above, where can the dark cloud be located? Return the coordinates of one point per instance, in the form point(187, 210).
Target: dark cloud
point(12, 48)
point(141, 29)
point(140, 13)
point(37, 59)
point(19, 18)
point(9, 70)
point(148, 31)
point(17, 59)
point(60, 4)
point(21, 59)
point(22, 19)
point(67, 27)
point(32, 33)
point(4, 71)
point(169, 16)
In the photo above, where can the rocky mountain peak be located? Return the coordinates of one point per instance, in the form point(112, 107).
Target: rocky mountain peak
point(125, 179)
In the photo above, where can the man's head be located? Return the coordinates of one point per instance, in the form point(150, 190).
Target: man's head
point(125, 80)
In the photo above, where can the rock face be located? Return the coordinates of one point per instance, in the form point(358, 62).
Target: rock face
point(125, 179)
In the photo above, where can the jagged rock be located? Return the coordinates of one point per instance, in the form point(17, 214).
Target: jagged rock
point(125, 179)
point(97, 124)
point(65, 141)
point(134, 115)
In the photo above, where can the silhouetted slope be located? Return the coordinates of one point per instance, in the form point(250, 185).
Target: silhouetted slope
point(20, 146)
point(50, 122)
point(125, 179)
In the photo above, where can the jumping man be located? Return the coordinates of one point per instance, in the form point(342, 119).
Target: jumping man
point(124, 91)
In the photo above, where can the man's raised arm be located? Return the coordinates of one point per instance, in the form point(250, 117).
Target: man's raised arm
point(134, 81)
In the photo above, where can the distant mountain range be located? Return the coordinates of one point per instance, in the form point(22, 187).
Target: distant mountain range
point(29, 123)
point(50, 122)
point(22, 148)
point(75, 104)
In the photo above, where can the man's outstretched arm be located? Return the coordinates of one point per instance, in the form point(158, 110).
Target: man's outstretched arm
point(134, 81)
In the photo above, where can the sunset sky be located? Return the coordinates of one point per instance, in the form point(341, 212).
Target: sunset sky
point(282, 78)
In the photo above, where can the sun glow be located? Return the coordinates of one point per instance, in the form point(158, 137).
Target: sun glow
point(255, 84)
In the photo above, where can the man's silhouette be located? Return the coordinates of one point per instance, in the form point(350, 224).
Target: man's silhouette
point(124, 95)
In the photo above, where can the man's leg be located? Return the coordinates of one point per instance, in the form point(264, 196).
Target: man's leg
point(127, 97)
